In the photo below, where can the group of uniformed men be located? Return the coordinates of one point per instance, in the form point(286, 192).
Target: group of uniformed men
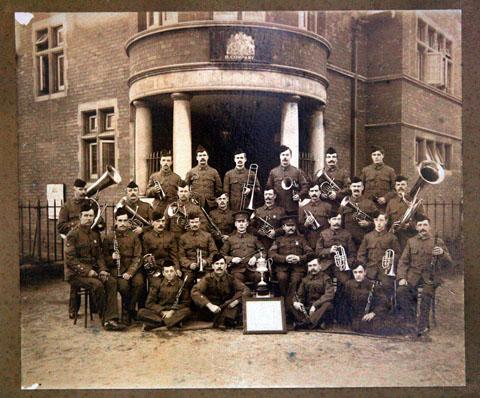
point(198, 252)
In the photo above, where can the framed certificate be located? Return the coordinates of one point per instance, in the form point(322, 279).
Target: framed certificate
point(264, 315)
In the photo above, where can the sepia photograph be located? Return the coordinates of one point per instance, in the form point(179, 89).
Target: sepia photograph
point(240, 199)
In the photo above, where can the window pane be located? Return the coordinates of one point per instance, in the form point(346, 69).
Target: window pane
point(430, 155)
point(42, 73)
point(431, 37)
point(93, 172)
point(109, 121)
point(108, 154)
point(59, 72)
point(169, 18)
point(421, 31)
point(421, 62)
point(439, 153)
point(58, 36)
point(42, 40)
point(92, 123)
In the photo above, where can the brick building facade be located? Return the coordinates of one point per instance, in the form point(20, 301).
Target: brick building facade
point(113, 88)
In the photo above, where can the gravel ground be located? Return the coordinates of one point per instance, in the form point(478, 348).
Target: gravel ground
point(57, 355)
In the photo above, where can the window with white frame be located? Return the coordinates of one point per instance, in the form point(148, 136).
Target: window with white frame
point(438, 151)
point(434, 57)
point(49, 50)
point(161, 18)
point(99, 131)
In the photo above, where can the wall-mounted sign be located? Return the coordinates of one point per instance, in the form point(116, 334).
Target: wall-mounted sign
point(240, 47)
point(55, 195)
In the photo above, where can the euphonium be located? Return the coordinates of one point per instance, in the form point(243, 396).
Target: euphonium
point(388, 262)
point(150, 265)
point(340, 258)
point(288, 183)
point(252, 174)
point(327, 186)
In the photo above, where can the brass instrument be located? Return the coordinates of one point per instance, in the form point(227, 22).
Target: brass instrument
point(316, 225)
point(216, 231)
point(150, 265)
point(174, 210)
point(430, 172)
point(265, 228)
point(368, 307)
point(252, 174)
point(136, 220)
point(388, 262)
point(116, 250)
point(328, 186)
point(288, 183)
point(199, 260)
point(359, 214)
point(340, 258)
point(160, 195)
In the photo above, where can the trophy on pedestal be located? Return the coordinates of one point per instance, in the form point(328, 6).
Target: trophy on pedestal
point(262, 266)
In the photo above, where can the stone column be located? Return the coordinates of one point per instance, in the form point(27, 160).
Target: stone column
point(182, 134)
point(289, 131)
point(143, 143)
point(317, 137)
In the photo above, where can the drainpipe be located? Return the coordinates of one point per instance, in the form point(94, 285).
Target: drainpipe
point(354, 99)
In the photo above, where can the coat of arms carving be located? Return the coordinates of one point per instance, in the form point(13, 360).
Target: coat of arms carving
point(240, 47)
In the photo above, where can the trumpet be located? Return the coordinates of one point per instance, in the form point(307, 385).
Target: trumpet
point(316, 225)
point(199, 260)
point(359, 214)
point(265, 227)
point(328, 186)
point(160, 195)
point(288, 183)
point(252, 174)
point(174, 210)
point(388, 262)
point(340, 258)
point(136, 220)
point(150, 265)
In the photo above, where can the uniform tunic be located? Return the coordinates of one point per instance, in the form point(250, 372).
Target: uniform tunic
point(318, 291)
point(188, 244)
point(233, 183)
point(163, 245)
point(161, 297)
point(378, 180)
point(352, 225)
point(143, 209)
point(69, 215)
point(321, 211)
point(341, 178)
point(223, 219)
point(272, 215)
point(206, 183)
point(284, 198)
point(240, 245)
point(178, 229)
point(169, 182)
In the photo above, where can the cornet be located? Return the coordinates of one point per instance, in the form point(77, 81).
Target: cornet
point(388, 262)
point(160, 195)
point(316, 225)
point(252, 174)
point(340, 258)
point(328, 186)
point(359, 214)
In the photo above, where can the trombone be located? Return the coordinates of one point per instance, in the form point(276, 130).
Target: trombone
point(327, 186)
point(359, 214)
point(316, 225)
point(340, 258)
point(252, 174)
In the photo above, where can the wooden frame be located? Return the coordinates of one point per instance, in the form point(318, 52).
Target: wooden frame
point(278, 326)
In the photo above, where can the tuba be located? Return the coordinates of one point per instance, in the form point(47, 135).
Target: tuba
point(340, 258)
point(174, 210)
point(359, 214)
point(327, 186)
point(430, 172)
point(252, 175)
point(288, 183)
point(136, 220)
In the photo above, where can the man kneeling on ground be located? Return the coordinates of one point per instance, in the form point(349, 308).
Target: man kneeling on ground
point(313, 299)
point(168, 302)
point(219, 295)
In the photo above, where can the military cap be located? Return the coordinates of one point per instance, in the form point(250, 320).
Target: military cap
point(157, 215)
point(288, 219)
point(356, 265)
point(313, 261)
point(401, 178)
point(242, 214)
point(86, 207)
point(217, 256)
point(132, 184)
point(421, 217)
point(239, 151)
point(79, 183)
point(165, 152)
point(330, 150)
point(121, 212)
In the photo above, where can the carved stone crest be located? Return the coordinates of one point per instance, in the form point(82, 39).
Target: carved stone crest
point(240, 47)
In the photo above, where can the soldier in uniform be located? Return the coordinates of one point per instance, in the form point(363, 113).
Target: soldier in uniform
point(328, 243)
point(358, 228)
point(219, 295)
point(125, 264)
point(313, 298)
point(270, 213)
point(141, 208)
point(372, 250)
point(242, 248)
point(222, 216)
point(178, 223)
point(161, 244)
point(378, 178)
point(168, 181)
point(318, 212)
point(290, 254)
point(418, 266)
point(204, 180)
point(235, 180)
point(194, 245)
point(371, 318)
point(166, 305)
point(86, 268)
point(396, 208)
point(68, 219)
point(340, 177)
point(285, 171)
